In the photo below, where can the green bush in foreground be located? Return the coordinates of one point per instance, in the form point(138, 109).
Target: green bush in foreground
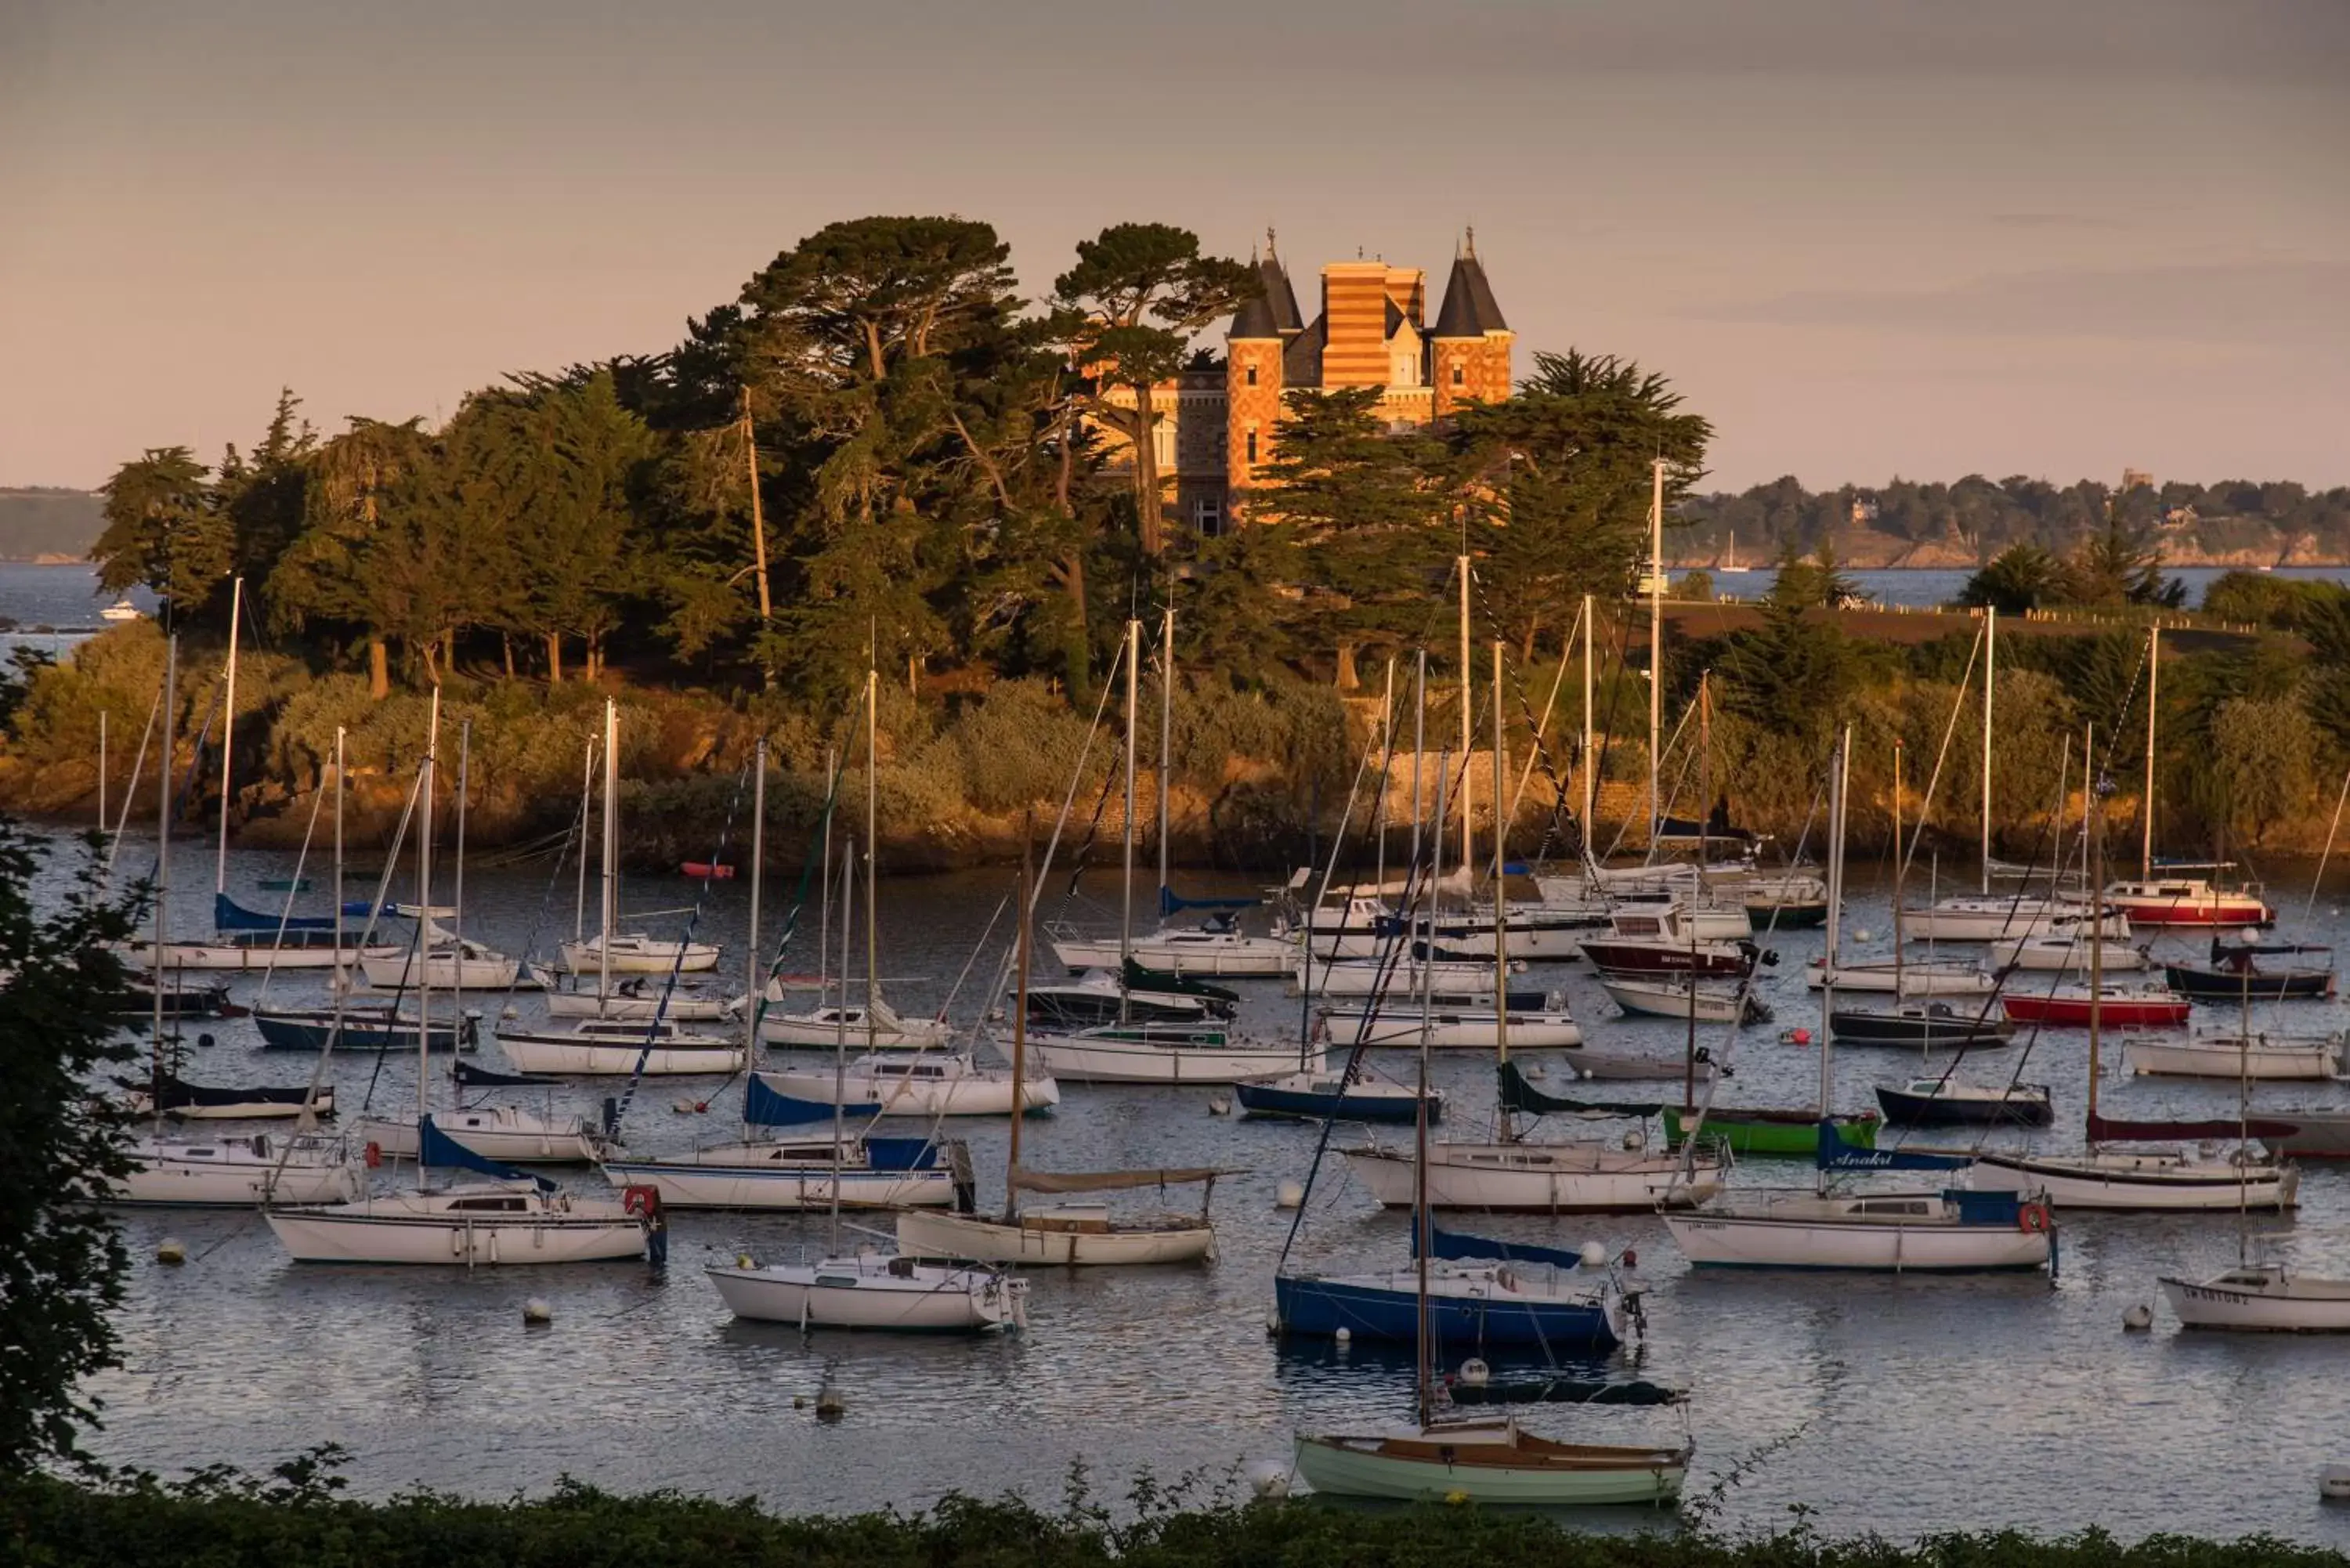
point(222, 1520)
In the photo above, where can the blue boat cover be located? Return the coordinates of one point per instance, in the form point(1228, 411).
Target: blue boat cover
point(764, 1107)
point(902, 1154)
point(1834, 1154)
point(1986, 1208)
point(228, 915)
point(1170, 902)
point(436, 1148)
point(1458, 1245)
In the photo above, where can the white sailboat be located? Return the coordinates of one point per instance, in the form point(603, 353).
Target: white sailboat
point(874, 1023)
point(233, 1171)
point(2307, 1058)
point(510, 1134)
point(1068, 1234)
point(1932, 1230)
point(1453, 1027)
point(505, 1220)
point(923, 1083)
point(610, 950)
point(875, 1291)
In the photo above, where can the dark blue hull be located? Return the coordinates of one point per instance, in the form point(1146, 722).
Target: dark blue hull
point(1322, 1307)
point(359, 1032)
point(1265, 1100)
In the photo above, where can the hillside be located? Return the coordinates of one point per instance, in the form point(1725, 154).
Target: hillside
point(44, 522)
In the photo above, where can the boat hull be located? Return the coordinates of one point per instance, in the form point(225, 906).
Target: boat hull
point(928, 1301)
point(1079, 1060)
point(360, 1030)
point(572, 1058)
point(381, 1234)
point(1678, 998)
point(2147, 1183)
point(502, 1134)
point(1451, 1029)
point(1304, 1096)
point(1916, 1110)
point(1907, 980)
point(401, 970)
point(1184, 952)
point(640, 958)
point(1795, 1135)
point(2318, 1061)
point(245, 958)
point(935, 1235)
point(2212, 1304)
point(232, 1174)
point(1757, 1242)
point(2220, 985)
point(1645, 959)
point(1535, 1178)
point(1433, 1467)
point(1999, 919)
point(897, 1095)
point(1468, 1309)
point(780, 1184)
point(2115, 1012)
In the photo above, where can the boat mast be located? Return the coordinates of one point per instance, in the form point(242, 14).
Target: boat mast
point(2153, 673)
point(586, 825)
point(1991, 666)
point(1126, 912)
point(457, 919)
point(228, 732)
point(1166, 731)
point(1501, 925)
point(1900, 873)
point(163, 863)
point(1386, 760)
point(1422, 1240)
point(1704, 851)
point(872, 802)
point(1590, 758)
point(342, 981)
point(1020, 1018)
point(753, 991)
point(2092, 818)
point(1656, 644)
point(1418, 740)
point(823, 907)
point(102, 773)
point(424, 929)
point(1468, 678)
point(1838, 776)
point(611, 897)
point(840, 1040)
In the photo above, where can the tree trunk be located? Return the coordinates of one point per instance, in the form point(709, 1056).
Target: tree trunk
point(595, 657)
point(449, 648)
point(1348, 680)
point(505, 646)
point(378, 669)
point(1146, 472)
point(1076, 650)
point(555, 658)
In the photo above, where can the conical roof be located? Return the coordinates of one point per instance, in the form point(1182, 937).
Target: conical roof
point(1468, 309)
point(1273, 312)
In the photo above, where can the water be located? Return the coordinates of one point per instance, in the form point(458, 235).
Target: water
point(66, 597)
point(1927, 588)
point(1914, 1404)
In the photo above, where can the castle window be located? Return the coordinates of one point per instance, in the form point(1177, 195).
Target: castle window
point(1458, 376)
point(1207, 515)
point(1251, 443)
point(1252, 375)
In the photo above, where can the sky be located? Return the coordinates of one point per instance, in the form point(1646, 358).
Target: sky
point(1867, 238)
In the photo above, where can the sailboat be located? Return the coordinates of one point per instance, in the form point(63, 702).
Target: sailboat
point(615, 1046)
point(1070, 1234)
point(236, 1171)
point(2115, 1180)
point(1120, 1053)
point(510, 1219)
point(1935, 1230)
point(611, 951)
point(1514, 1174)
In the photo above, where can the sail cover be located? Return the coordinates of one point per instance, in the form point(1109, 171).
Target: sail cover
point(1517, 1095)
point(228, 915)
point(764, 1107)
point(435, 1149)
point(1460, 1245)
point(1170, 902)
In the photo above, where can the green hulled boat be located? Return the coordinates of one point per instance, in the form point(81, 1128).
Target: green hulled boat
point(1789, 1134)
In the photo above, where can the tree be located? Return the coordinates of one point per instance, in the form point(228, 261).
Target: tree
point(2118, 564)
point(61, 1259)
point(2018, 578)
point(1558, 481)
point(1136, 296)
point(359, 564)
point(1359, 506)
point(164, 530)
point(1817, 583)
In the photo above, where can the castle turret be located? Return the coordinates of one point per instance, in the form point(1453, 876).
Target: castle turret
point(1468, 347)
point(1252, 379)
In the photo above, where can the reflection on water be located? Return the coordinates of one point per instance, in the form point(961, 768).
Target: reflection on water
point(1920, 1403)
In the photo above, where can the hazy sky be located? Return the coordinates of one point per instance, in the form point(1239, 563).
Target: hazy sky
point(1867, 237)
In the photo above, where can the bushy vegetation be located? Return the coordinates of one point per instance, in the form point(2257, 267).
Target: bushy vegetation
point(296, 1516)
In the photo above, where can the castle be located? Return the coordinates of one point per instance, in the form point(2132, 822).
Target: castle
point(1219, 421)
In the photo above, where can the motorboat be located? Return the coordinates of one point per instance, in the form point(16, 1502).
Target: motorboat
point(874, 1290)
point(1652, 942)
point(1683, 996)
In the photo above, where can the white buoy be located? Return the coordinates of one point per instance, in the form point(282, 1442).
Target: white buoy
point(1861, 935)
point(1475, 1373)
point(2333, 1482)
point(1343, 1335)
point(537, 1313)
point(830, 1405)
point(1595, 1254)
point(1536, 1070)
point(1636, 1139)
point(1290, 1196)
point(683, 1108)
point(171, 1251)
point(1218, 1106)
point(1269, 1480)
point(2138, 1319)
point(510, 1011)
